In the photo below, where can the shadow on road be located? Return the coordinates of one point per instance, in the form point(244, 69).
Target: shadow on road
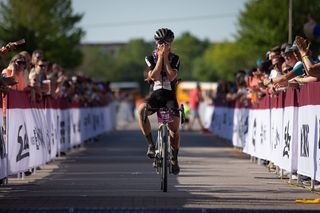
point(115, 173)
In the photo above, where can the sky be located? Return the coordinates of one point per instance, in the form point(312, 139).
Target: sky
point(107, 21)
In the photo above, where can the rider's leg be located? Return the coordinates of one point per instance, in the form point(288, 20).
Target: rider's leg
point(146, 130)
point(175, 143)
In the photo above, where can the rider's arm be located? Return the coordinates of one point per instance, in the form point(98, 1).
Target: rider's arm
point(171, 73)
point(155, 72)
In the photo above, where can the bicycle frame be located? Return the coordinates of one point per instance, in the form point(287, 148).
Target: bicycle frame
point(162, 160)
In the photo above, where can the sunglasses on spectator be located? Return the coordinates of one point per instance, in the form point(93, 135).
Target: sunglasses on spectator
point(42, 65)
point(21, 62)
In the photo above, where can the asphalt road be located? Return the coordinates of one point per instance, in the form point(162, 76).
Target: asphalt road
point(114, 172)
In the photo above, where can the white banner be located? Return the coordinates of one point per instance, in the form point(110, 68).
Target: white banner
point(276, 134)
point(208, 112)
point(289, 140)
point(3, 153)
point(36, 135)
point(307, 124)
point(240, 127)
point(18, 136)
point(317, 143)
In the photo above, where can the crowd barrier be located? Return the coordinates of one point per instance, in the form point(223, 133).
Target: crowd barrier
point(37, 132)
point(283, 129)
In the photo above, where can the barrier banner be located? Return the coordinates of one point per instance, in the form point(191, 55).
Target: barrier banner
point(317, 144)
point(284, 129)
point(37, 132)
point(306, 142)
point(18, 140)
point(223, 122)
point(209, 109)
point(3, 152)
point(240, 127)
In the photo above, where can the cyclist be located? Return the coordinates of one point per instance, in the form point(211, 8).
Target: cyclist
point(162, 72)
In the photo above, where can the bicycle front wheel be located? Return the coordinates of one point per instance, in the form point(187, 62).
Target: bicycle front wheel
point(164, 169)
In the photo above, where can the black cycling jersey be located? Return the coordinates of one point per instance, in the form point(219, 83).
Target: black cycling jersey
point(163, 83)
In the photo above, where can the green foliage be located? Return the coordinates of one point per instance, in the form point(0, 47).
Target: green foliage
point(188, 47)
point(264, 23)
point(126, 64)
point(45, 24)
point(220, 61)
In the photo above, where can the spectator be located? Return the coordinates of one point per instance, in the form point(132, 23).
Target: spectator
point(36, 56)
point(312, 69)
point(291, 59)
point(36, 76)
point(27, 70)
point(15, 69)
point(194, 100)
point(274, 57)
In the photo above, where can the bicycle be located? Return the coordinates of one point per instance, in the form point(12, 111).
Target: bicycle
point(162, 160)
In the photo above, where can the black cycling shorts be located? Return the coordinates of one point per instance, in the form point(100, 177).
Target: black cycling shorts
point(163, 98)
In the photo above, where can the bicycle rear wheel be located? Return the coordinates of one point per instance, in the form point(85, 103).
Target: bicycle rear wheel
point(164, 168)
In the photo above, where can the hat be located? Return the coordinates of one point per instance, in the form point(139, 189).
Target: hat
point(291, 48)
point(283, 46)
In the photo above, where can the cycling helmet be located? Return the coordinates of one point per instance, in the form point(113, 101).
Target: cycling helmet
point(164, 35)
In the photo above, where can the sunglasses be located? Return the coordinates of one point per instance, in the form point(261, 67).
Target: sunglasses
point(21, 62)
point(42, 65)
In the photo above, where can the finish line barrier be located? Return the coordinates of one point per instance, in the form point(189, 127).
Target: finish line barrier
point(283, 129)
point(36, 132)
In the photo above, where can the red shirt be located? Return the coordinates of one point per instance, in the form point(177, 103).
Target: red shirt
point(194, 99)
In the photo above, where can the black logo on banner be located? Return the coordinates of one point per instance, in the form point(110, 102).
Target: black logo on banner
point(263, 134)
point(87, 120)
point(224, 119)
point(2, 146)
point(48, 140)
point(246, 124)
point(304, 145)
point(287, 140)
point(37, 138)
point(277, 142)
point(24, 143)
point(254, 133)
point(62, 132)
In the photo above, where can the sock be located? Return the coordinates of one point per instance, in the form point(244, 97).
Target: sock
point(174, 153)
point(149, 139)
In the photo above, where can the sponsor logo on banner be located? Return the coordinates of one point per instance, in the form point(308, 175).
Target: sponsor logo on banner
point(48, 140)
point(304, 132)
point(23, 141)
point(263, 133)
point(254, 134)
point(2, 146)
point(62, 132)
point(37, 138)
point(287, 141)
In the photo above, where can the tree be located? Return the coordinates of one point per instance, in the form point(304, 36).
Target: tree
point(220, 61)
point(48, 25)
point(188, 47)
point(264, 23)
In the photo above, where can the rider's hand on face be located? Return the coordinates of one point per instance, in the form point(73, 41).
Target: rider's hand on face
point(163, 49)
